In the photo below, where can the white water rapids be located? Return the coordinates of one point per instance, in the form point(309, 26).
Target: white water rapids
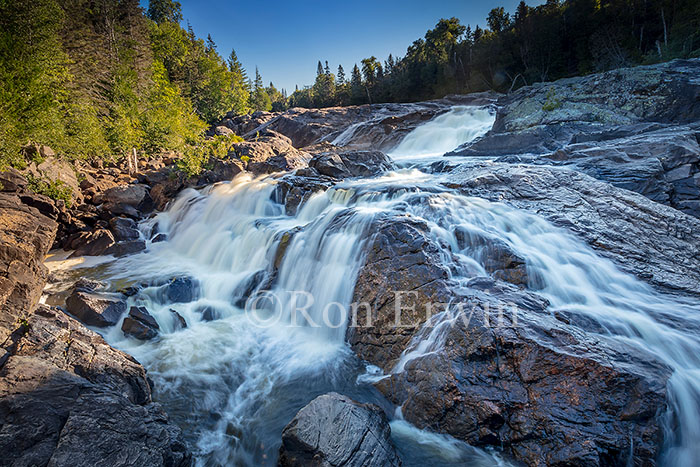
point(232, 383)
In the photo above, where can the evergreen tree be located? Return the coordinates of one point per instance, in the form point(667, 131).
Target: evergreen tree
point(259, 99)
point(357, 90)
point(341, 76)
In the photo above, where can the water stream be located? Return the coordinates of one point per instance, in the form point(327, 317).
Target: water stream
point(233, 382)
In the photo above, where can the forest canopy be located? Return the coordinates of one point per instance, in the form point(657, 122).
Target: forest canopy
point(531, 44)
point(100, 79)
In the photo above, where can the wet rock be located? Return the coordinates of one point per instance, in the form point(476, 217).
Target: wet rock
point(247, 287)
point(504, 372)
point(293, 190)
point(657, 243)
point(351, 164)
point(126, 248)
point(94, 309)
point(140, 324)
point(209, 313)
point(25, 237)
point(161, 237)
point(123, 229)
point(69, 399)
point(178, 320)
point(494, 255)
point(181, 290)
point(401, 276)
point(334, 430)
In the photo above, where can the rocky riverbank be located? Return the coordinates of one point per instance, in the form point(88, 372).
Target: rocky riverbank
point(611, 159)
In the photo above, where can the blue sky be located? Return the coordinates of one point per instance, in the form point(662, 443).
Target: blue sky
point(286, 39)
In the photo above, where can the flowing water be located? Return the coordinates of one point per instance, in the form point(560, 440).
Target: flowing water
point(232, 383)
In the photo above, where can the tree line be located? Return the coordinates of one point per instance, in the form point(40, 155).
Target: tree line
point(531, 44)
point(99, 78)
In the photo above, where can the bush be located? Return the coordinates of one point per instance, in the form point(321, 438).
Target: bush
point(54, 189)
point(198, 157)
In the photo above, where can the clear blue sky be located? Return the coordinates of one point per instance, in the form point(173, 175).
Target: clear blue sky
point(285, 39)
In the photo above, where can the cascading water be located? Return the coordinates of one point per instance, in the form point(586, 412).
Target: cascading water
point(443, 134)
point(234, 382)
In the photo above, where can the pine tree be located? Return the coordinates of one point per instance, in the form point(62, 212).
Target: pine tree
point(357, 90)
point(341, 76)
point(260, 100)
point(319, 68)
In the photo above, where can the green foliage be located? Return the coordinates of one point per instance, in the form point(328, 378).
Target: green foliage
point(54, 189)
point(551, 101)
point(199, 156)
point(98, 79)
point(534, 44)
point(259, 98)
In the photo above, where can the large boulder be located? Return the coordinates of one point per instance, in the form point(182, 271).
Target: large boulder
point(130, 200)
point(498, 368)
point(270, 152)
point(25, 237)
point(95, 309)
point(334, 431)
point(69, 399)
point(140, 324)
point(351, 163)
point(547, 116)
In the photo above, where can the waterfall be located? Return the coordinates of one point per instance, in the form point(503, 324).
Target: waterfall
point(444, 133)
point(234, 382)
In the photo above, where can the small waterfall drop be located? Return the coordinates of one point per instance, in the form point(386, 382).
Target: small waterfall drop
point(443, 134)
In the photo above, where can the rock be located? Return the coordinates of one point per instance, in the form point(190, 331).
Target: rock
point(223, 131)
point(178, 320)
point(52, 169)
point(93, 309)
point(351, 164)
point(93, 243)
point(334, 430)
point(505, 372)
point(12, 181)
point(126, 248)
point(270, 152)
point(181, 290)
point(293, 190)
point(399, 254)
point(494, 255)
point(161, 237)
point(123, 229)
point(547, 116)
point(43, 204)
point(25, 238)
point(209, 313)
point(69, 399)
point(247, 287)
point(140, 324)
point(222, 170)
point(126, 199)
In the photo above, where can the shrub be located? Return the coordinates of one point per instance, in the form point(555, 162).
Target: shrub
point(54, 189)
